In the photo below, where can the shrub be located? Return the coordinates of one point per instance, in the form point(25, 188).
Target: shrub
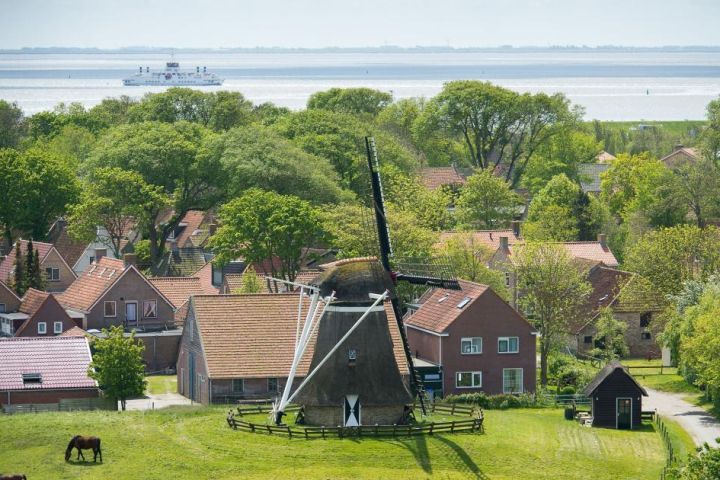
point(496, 402)
point(568, 390)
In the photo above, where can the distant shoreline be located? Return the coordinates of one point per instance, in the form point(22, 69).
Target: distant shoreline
point(380, 49)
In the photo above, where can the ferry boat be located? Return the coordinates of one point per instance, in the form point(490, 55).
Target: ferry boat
point(173, 76)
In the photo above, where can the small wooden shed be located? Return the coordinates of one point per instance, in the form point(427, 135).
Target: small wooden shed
point(616, 398)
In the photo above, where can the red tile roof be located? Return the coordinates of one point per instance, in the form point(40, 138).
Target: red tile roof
point(191, 221)
point(205, 274)
point(62, 362)
point(488, 238)
point(7, 266)
point(32, 300)
point(74, 332)
point(179, 289)
point(91, 284)
point(436, 314)
point(605, 157)
point(435, 177)
point(591, 251)
point(253, 336)
point(234, 281)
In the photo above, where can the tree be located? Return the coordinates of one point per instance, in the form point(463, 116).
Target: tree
point(405, 192)
point(117, 365)
point(670, 256)
point(36, 186)
point(173, 157)
point(498, 126)
point(553, 290)
point(356, 101)
point(250, 281)
point(486, 202)
point(38, 277)
point(710, 138)
point(610, 332)
point(256, 156)
point(703, 466)
point(469, 259)
point(697, 186)
point(19, 275)
point(30, 267)
point(263, 225)
point(114, 199)
point(12, 128)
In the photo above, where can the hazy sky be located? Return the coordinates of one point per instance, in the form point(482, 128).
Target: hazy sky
point(305, 23)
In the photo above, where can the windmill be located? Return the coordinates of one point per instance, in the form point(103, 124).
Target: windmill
point(355, 375)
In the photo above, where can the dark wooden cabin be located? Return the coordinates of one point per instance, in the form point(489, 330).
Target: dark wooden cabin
point(616, 398)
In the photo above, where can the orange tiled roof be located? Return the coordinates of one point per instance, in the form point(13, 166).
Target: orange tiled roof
point(7, 265)
point(435, 315)
point(192, 221)
point(179, 289)
point(605, 157)
point(32, 300)
point(488, 238)
point(253, 336)
point(74, 332)
point(435, 177)
point(91, 284)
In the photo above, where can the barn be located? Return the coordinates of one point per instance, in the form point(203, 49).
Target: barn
point(616, 398)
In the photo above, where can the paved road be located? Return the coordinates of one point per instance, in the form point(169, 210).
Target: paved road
point(701, 426)
point(160, 400)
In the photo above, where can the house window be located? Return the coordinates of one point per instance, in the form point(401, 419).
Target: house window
point(645, 319)
point(508, 345)
point(468, 379)
point(645, 335)
point(587, 339)
point(110, 308)
point(42, 328)
point(512, 380)
point(507, 279)
point(272, 384)
point(57, 327)
point(2, 308)
point(92, 259)
point(238, 385)
point(53, 274)
point(150, 309)
point(471, 345)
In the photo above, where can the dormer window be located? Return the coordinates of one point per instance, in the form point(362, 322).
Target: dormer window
point(32, 378)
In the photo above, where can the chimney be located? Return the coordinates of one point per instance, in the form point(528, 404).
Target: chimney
point(602, 239)
point(678, 146)
point(212, 228)
point(130, 259)
point(515, 225)
point(100, 253)
point(504, 244)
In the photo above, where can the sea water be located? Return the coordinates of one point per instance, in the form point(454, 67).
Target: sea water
point(609, 85)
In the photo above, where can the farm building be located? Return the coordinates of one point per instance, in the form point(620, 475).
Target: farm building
point(45, 370)
point(480, 343)
point(616, 398)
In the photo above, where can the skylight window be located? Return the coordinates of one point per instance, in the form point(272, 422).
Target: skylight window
point(32, 378)
point(464, 302)
point(442, 299)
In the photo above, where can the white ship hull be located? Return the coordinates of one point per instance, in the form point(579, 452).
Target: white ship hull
point(174, 77)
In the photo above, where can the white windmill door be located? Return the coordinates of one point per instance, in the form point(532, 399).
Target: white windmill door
point(352, 411)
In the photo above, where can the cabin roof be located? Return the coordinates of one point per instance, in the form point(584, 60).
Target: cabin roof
point(603, 374)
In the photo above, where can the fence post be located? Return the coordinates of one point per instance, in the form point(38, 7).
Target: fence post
point(452, 411)
point(432, 424)
point(452, 427)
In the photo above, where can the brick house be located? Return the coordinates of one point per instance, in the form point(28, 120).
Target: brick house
point(45, 370)
point(477, 339)
point(38, 315)
point(241, 346)
point(9, 301)
point(114, 292)
point(436, 177)
point(681, 155)
point(636, 311)
point(58, 274)
point(179, 290)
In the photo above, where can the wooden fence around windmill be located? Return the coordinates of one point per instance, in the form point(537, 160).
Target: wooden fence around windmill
point(473, 424)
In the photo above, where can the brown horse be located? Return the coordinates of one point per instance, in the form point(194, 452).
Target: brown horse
point(16, 476)
point(84, 443)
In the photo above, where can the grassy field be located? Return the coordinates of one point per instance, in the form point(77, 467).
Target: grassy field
point(157, 384)
point(190, 443)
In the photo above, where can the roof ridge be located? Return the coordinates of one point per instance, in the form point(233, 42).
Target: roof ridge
point(35, 339)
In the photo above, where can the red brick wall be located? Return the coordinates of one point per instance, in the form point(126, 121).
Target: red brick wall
point(49, 312)
point(423, 345)
point(44, 396)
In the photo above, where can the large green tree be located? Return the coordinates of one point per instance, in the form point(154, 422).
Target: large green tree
point(553, 291)
point(356, 101)
point(117, 365)
point(169, 156)
point(262, 225)
point(486, 202)
point(12, 127)
point(114, 199)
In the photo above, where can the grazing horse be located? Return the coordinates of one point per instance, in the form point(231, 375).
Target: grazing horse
point(16, 476)
point(83, 443)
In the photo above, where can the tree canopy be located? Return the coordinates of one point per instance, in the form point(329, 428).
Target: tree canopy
point(356, 101)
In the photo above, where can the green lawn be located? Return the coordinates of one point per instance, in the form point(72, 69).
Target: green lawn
point(161, 384)
point(190, 443)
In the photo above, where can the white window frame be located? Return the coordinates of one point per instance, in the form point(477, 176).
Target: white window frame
point(50, 274)
point(242, 385)
point(42, 328)
point(105, 305)
point(57, 327)
point(507, 339)
point(146, 302)
point(472, 379)
point(522, 380)
point(470, 339)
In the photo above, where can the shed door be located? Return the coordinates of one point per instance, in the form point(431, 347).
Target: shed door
point(131, 313)
point(352, 411)
point(624, 413)
point(191, 376)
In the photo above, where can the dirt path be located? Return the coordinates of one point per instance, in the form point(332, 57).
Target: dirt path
point(701, 426)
